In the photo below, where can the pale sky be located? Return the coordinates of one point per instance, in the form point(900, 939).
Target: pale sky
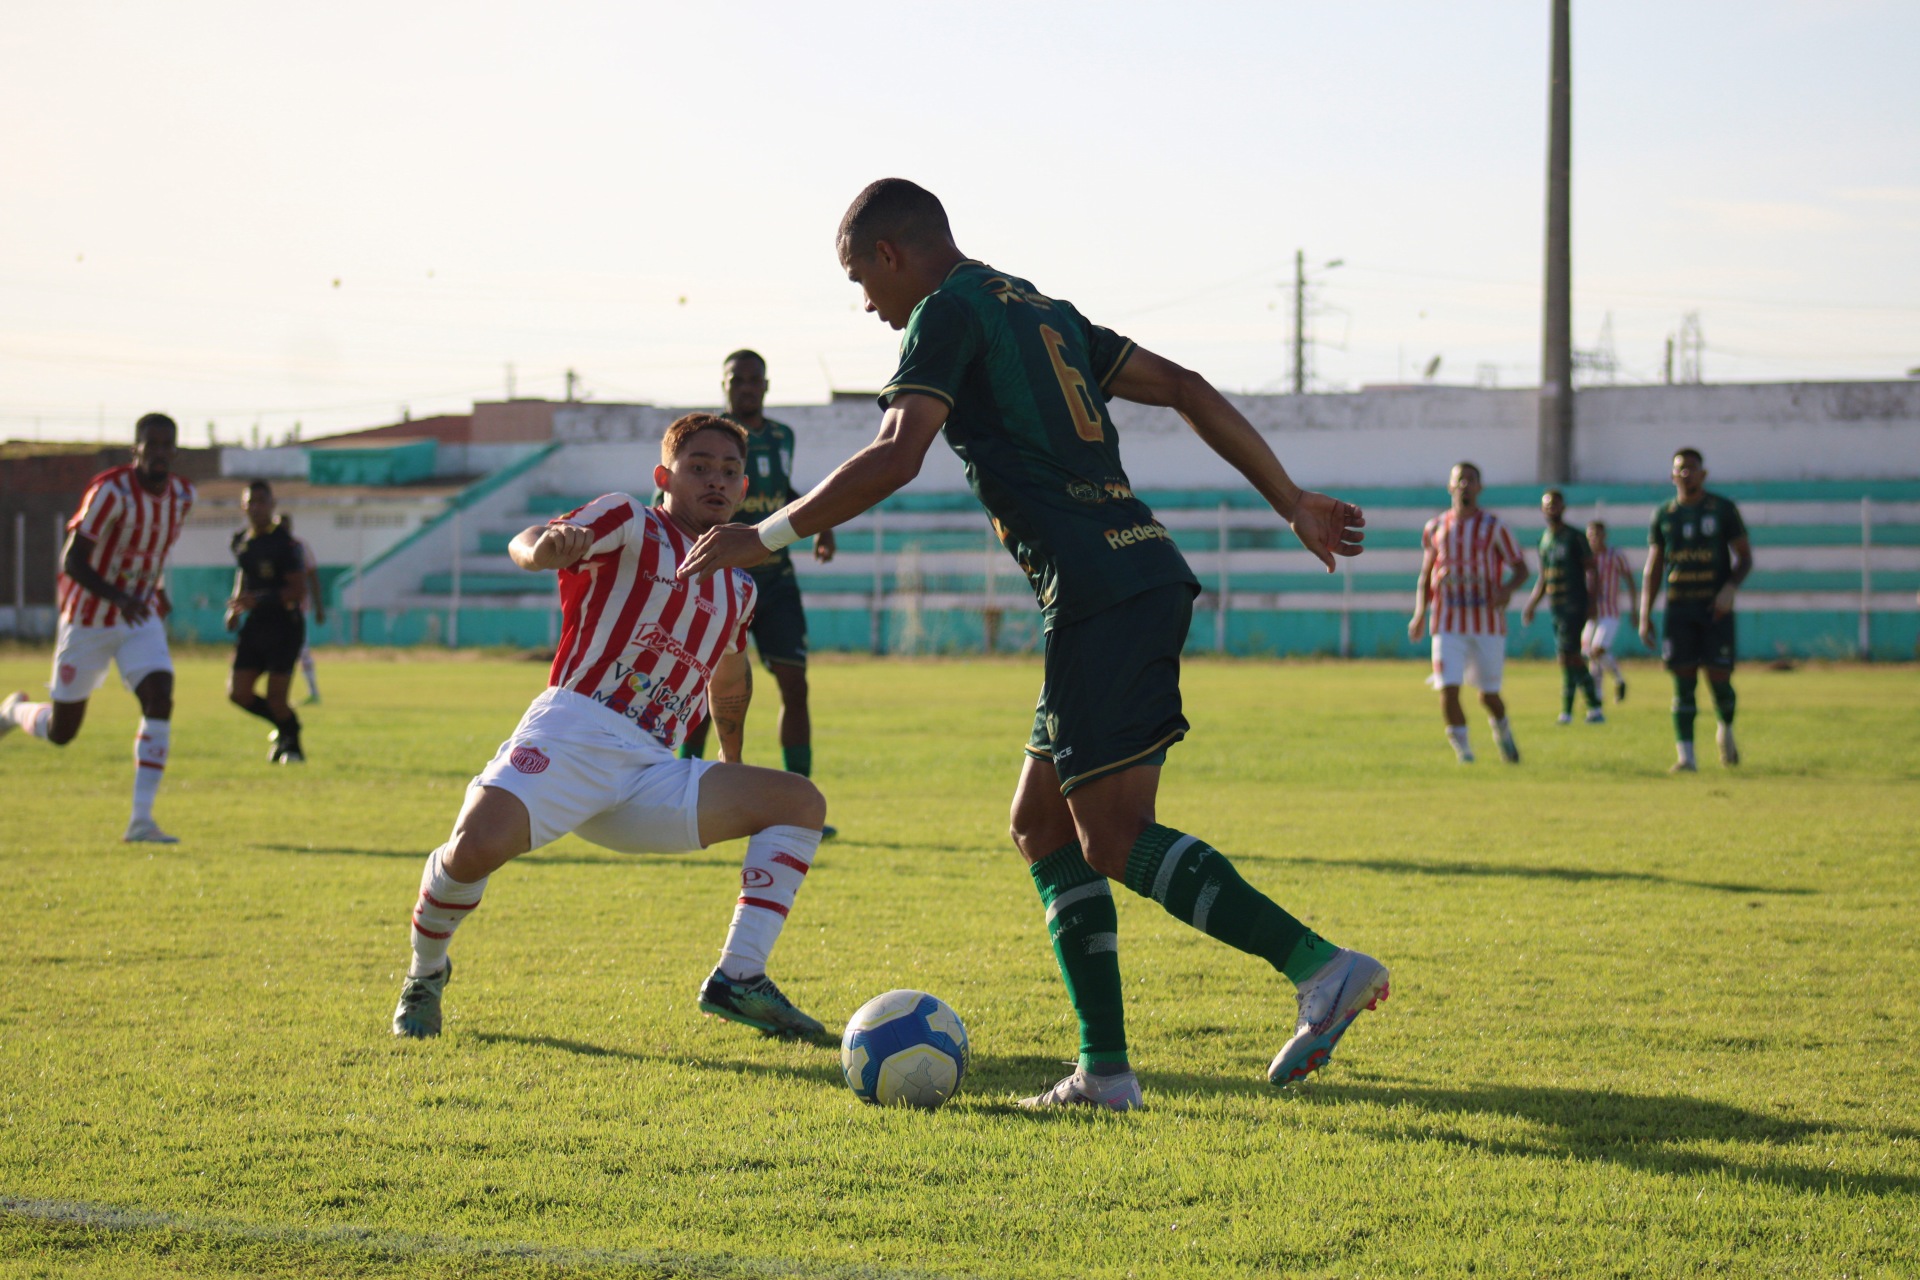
point(631, 190)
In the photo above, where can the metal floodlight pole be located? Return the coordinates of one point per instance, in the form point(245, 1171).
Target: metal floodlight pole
point(1556, 359)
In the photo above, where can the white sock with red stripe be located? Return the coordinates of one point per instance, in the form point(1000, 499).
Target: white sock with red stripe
point(776, 863)
point(444, 903)
point(35, 717)
point(149, 764)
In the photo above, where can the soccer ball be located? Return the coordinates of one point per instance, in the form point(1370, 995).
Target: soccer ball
point(904, 1049)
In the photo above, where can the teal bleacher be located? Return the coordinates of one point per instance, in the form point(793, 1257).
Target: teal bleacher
point(938, 570)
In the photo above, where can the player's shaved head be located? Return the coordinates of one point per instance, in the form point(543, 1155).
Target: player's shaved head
point(1598, 526)
point(1691, 455)
point(745, 355)
point(260, 486)
point(1468, 468)
point(687, 426)
point(897, 211)
point(156, 422)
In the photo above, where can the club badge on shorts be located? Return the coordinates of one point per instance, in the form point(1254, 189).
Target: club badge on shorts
point(529, 760)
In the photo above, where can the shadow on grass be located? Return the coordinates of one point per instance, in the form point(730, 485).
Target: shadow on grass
point(539, 857)
point(1572, 875)
point(1644, 1132)
point(821, 1073)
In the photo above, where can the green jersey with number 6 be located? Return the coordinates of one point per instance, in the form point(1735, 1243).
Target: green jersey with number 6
point(1025, 379)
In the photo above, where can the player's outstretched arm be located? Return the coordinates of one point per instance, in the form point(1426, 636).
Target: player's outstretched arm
point(1325, 525)
point(549, 546)
point(728, 694)
point(862, 481)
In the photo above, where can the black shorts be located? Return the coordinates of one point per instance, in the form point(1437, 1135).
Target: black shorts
point(779, 625)
point(1693, 637)
point(270, 642)
point(1567, 627)
point(1111, 698)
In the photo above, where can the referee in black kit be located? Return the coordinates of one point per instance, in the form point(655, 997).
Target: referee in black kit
point(268, 591)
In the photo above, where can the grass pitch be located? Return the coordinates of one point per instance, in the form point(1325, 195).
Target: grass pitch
point(1640, 1025)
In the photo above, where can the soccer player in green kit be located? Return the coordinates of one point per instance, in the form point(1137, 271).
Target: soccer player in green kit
point(779, 625)
point(1698, 544)
point(1566, 567)
point(1019, 384)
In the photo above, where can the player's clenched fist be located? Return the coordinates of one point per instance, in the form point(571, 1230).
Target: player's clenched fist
point(560, 545)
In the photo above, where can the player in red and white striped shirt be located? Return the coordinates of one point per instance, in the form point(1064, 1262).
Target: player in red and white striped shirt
point(641, 656)
point(1610, 572)
point(1469, 572)
point(112, 601)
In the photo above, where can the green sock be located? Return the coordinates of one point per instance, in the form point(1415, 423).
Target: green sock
point(1683, 708)
point(1083, 924)
point(1588, 687)
point(1196, 883)
point(689, 750)
point(1566, 691)
point(798, 760)
point(1723, 700)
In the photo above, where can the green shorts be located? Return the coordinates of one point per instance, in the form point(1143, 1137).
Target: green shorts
point(1693, 637)
point(779, 625)
point(1111, 698)
point(1567, 627)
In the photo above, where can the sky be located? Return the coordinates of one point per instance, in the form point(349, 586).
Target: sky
point(260, 217)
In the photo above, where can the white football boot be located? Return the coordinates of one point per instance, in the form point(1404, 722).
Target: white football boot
point(1723, 736)
point(7, 704)
point(1346, 986)
point(1081, 1089)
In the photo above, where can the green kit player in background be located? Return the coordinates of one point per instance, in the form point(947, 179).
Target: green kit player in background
point(1698, 545)
point(1566, 582)
point(1019, 383)
point(779, 625)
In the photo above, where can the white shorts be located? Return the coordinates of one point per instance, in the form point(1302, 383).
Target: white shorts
point(1598, 634)
point(581, 768)
point(81, 655)
point(1458, 657)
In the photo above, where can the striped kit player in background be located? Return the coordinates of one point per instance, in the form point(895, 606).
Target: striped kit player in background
point(641, 652)
point(112, 603)
point(1470, 570)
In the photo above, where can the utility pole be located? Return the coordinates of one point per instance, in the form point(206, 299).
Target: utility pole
point(1556, 357)
point(572, 377)
point(1299, 322)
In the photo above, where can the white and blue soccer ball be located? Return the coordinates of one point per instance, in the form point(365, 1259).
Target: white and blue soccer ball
point(904, 1049)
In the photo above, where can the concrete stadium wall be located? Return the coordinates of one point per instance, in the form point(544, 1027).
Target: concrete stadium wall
point(1411, 436)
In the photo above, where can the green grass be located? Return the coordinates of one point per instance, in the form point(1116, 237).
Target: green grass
point(1640, 1025)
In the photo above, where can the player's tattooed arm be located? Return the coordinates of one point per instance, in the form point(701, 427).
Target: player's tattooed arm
point(549, 546)
point(77, 564)
point(729, 694)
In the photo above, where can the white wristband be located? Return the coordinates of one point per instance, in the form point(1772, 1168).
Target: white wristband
point(776, 531)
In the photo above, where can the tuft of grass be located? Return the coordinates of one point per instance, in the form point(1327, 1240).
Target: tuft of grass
point(1640, 1025)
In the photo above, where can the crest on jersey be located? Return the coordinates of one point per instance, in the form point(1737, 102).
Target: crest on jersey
point(766, 465)
point(1686, 531)
point(1707, 525)
point(529, 759)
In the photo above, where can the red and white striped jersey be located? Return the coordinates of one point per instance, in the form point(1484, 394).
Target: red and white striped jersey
point(132, 531)
point(634, 638)
point(1610, 571)
point(1470, 558)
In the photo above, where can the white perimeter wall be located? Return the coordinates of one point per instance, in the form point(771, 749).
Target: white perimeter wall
point(1394, 436)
